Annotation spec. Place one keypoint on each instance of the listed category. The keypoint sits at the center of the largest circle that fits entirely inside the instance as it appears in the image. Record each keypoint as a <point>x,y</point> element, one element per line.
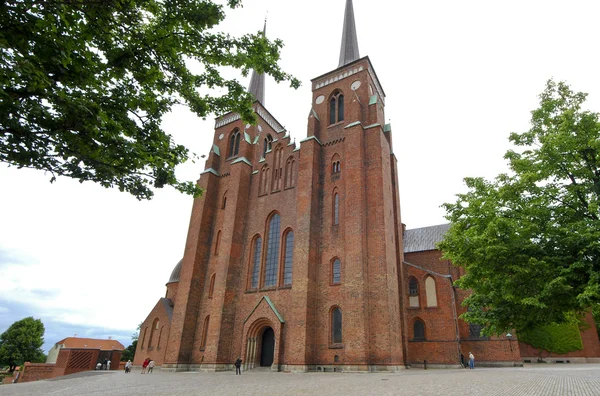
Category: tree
<point>129,352</point>
<point>22,343</point>
<point>84,85</point>
<point>530,240</point>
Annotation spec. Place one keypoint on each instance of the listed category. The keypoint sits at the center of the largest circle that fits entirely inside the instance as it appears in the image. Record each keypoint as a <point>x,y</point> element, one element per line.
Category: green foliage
<point>84,85</point>
<point>554,338</point>
<point>530,240</point>
<point>129,352</point>
<point>22,343</point>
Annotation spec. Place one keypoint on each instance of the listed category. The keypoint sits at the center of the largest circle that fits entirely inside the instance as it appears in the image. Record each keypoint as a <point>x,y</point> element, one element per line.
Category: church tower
<point>292,253</point>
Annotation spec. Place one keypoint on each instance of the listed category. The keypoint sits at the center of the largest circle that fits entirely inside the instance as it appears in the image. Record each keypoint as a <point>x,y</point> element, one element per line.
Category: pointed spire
<point>257,81</point>
<point>349,51</point>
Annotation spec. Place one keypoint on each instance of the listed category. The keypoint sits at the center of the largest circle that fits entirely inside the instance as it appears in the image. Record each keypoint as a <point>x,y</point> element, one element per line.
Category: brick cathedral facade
<point>296,256</point>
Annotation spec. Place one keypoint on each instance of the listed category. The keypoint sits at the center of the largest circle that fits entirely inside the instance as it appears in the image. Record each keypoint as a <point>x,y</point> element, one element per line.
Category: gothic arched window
<point>413,292</point>
<point>273,237</point>
<point>204,333</point>
<point>268,143</point>
<point>430,292</point>
<point>234,143</point>
<point>336,209</point>
<point>336,271</point>
<point>419,330</point>
<point>287,258</point>
<point>336,108</point>
<point>336,326</point>
<point>211,288</point>
<point>256,262</point>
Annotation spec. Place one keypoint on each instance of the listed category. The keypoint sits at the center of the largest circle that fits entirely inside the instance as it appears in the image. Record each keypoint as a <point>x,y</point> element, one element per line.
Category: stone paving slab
<point>531,380</point>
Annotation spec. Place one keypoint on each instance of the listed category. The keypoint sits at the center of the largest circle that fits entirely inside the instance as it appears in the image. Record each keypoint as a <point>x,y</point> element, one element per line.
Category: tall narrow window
<point>289,254</point>
<point>413,292</point>
<point>256,262</point>
<point>336,209</point>
<point>336,271</point>
<point>153,331</point>
<point>289,172</point>
<point>336,326</point>
<point>224,204</point>
<point>268,142</point>
<point>419,330</point>
<point>336,108</point>
<point>159,337</point>
<point>277,168</point>
<point>144,338</point>
<point>217,242</point>
<point>211,288</point>
<point>234,143</point>
<point>430,292</point>
<point>204,333</point>
<point>272,251</point>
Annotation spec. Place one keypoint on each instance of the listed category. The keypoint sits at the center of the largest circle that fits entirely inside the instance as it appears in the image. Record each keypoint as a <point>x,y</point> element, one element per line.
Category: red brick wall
<point>36,371</point>
<point>155,348</point>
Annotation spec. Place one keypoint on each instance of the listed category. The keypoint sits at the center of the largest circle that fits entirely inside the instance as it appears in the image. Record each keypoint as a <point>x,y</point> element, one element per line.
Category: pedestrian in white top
<point>150,366</point>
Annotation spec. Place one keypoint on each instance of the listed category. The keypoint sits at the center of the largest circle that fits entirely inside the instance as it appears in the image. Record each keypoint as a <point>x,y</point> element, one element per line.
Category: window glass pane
<point>413,287</point>
<point>419,330</point>
<point>337,271</point>
<point>289,253</point>
<point>340,108</point>
<point>237,144</point>
<point>336,336</point>
<point>272,252</point>
<point>256,262</point>
<point>332,111</point>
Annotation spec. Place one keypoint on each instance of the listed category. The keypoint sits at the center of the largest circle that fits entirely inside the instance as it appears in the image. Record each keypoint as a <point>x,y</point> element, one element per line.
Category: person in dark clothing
<point>462,361</point>
<point>104,364</point>
<point>238,366</point>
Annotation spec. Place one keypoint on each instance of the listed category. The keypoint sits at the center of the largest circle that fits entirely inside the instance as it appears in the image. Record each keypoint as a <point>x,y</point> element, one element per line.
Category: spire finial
<point>257,81</point>
<point>349,51</point>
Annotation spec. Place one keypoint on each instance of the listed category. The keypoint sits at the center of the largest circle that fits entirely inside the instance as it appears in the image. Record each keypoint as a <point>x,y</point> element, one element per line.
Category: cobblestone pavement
<point>531,380</point>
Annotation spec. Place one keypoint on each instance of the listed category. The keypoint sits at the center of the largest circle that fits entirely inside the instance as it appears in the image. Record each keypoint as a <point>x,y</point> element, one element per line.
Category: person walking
<point>150,366</point>
<point>471,360</point>
<point>145,365</point>
<point>128,367</point>
<point>238,366</point>
<point>104,363</point>
<point>108,364</point>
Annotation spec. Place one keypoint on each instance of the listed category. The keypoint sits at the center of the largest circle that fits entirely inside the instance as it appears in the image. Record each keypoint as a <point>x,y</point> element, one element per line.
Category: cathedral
<point>296,256</point>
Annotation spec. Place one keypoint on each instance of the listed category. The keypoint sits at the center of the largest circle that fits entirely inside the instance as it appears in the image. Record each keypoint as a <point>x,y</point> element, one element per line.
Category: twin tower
<point>293,254</point>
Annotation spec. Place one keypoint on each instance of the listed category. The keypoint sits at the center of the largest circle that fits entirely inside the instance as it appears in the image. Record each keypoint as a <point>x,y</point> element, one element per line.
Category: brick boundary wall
<point>36,371</point>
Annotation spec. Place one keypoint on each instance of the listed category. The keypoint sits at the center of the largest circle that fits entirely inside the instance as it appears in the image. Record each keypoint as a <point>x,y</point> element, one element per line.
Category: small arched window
<point>336,209</point>
<point>288,258</point>
<point>144,337</point>
<point>204,333</point>
<point>224,203</point>
<point>256,262</point>
<point>264,180</point>
<point>413,292</point>
<point>419,330</point>
<point>289,172</point>
<point>217,243</point>
<point>267,145</point>
<point>278,168</point>
<point>336,272</point>
<point>336,326</point>
<point>211,288</point>
<point>336,108</point>
<point>272,251</point>
<point>430,292</point>
<point>234,143</point>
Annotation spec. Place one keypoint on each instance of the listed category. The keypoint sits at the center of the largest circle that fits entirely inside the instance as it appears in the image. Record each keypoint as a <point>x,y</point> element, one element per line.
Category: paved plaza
<point>531,380</point>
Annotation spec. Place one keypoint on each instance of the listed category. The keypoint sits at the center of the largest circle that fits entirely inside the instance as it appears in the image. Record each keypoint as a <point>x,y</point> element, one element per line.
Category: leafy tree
<point>22,343</point>
<point>84,85</point>
<point>530,240</point>
<point>129,352</point>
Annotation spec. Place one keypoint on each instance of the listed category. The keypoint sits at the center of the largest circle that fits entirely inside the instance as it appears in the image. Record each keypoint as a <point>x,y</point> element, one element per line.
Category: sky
<point>459,77</point>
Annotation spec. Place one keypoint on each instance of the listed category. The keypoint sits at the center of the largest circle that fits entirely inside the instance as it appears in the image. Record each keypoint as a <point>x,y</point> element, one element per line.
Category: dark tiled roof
<point>176,271</point>
<point>421,239</point>
<point>168,304</point>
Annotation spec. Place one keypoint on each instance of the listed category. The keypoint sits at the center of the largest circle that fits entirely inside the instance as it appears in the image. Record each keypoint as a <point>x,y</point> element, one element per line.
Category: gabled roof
<point>91,343</point>
<point>168,304</point>
<point>425,238</point>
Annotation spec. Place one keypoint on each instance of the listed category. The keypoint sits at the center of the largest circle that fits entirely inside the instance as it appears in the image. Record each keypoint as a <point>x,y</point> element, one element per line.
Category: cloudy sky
<point>459,76</point>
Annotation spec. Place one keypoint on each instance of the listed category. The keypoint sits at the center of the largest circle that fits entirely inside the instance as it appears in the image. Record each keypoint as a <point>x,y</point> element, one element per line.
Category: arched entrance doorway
<point>268,348</point>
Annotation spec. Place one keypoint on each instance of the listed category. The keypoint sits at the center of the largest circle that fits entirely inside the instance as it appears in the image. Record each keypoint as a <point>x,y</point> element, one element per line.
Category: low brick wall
<point>36,371</point>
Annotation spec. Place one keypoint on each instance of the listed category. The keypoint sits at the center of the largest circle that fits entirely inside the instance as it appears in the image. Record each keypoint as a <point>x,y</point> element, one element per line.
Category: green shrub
<point>554,338</point>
